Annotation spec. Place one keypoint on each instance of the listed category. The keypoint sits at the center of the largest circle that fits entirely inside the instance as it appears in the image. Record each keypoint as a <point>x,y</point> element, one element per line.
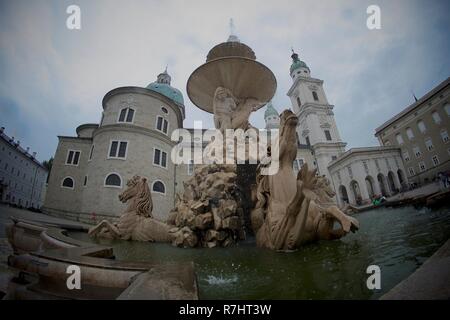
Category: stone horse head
<point>139,193</point>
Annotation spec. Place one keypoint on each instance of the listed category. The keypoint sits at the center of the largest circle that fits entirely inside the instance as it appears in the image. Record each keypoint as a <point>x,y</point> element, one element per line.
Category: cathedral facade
<point>91,169</point>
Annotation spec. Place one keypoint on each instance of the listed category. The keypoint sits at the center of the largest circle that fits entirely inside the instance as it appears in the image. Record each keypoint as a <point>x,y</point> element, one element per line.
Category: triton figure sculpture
<point>291,211</point>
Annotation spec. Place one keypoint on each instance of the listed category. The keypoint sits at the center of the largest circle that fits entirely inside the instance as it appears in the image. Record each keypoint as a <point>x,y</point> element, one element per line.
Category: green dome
<point>297,63</point>
<point>167,90</point>
<point>270,111</point>
<point>162,86</point>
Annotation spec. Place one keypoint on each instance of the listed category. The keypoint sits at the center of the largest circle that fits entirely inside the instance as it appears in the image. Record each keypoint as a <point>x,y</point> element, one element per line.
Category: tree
<point>48,165</point>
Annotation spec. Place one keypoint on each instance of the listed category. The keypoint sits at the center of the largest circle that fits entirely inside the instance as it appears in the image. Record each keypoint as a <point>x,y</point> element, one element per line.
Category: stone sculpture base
<point>209,213</point>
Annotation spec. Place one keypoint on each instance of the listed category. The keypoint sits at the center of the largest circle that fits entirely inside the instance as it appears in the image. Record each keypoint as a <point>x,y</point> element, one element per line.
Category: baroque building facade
<point>22,176</point>
<point>91,169</point>
<point>422,131</point>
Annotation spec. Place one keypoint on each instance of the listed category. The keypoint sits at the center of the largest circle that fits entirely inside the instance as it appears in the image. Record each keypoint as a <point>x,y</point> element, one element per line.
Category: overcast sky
<point>53,79</point>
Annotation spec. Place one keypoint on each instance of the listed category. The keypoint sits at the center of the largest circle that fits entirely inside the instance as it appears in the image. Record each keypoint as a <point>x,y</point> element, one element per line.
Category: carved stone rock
<point>208,208</point>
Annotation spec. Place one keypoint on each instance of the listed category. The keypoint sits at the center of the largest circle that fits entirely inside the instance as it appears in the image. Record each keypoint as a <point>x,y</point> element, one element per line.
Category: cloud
<point>55,79</point>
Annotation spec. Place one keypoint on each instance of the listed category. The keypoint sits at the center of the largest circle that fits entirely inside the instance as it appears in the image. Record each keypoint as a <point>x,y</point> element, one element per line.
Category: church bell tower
<point>317,126</point>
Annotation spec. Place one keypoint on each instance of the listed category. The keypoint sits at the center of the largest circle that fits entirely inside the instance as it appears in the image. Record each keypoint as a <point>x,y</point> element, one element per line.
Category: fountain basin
<point>399,240</point>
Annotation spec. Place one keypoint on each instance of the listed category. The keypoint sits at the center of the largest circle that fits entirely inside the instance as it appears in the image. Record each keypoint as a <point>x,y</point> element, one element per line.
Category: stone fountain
<point>223,202</point>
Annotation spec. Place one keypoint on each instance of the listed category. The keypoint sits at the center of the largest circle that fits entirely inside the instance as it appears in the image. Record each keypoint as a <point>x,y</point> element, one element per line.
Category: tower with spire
<point>317,126</point>
<point>271,117</point>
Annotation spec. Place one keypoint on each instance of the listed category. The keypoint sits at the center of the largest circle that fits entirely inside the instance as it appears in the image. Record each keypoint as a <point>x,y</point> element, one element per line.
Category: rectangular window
<point>130,115</point>
<point>160,158</point>
<point>429,144</point>
<point>73,157</point>
<point>156,157</point>
<point>163,159</point>
<point>411,172</point>
<point>406,156</point>
<point>159,123</point>
<point>417,152</point>
<point>327,135</point>
<point>422,166</point>
<point>118,149</point>
<point>85,180</point>
<point>444,136</point>
<point>122,149</point>
<point>298,164</point>
<point>316,98</point>
<point>435,160</point>
<point>162,124</point>
<point>113,148</point>
<point>69,157</point>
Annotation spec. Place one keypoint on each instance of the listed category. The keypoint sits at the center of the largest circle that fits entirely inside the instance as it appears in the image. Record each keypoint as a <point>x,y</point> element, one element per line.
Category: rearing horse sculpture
<point>137,222</point>
<point>290,210</point>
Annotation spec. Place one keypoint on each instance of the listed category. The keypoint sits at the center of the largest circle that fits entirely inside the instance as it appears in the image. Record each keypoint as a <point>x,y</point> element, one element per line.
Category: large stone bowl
<point>231,65</point>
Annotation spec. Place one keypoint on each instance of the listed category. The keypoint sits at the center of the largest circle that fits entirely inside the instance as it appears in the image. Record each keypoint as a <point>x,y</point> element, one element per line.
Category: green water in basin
<point>397,240</point>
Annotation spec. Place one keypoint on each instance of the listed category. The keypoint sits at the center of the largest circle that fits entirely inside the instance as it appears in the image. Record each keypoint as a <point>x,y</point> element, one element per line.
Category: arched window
<point>159,187</point>
<point>447,109</point>
<point>436,117</point>
<point>399,138</point>
<point>126,115</point>
<point>68,183</point>
<point>421,126</point>
<point>113,180</point>
<point>315,96</point>
<point>299,103</point>
<point>409,133</point>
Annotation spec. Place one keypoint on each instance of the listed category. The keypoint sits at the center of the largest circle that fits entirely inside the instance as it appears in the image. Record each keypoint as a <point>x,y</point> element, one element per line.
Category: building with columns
<point>357,175</point>
<point>360,174</point>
